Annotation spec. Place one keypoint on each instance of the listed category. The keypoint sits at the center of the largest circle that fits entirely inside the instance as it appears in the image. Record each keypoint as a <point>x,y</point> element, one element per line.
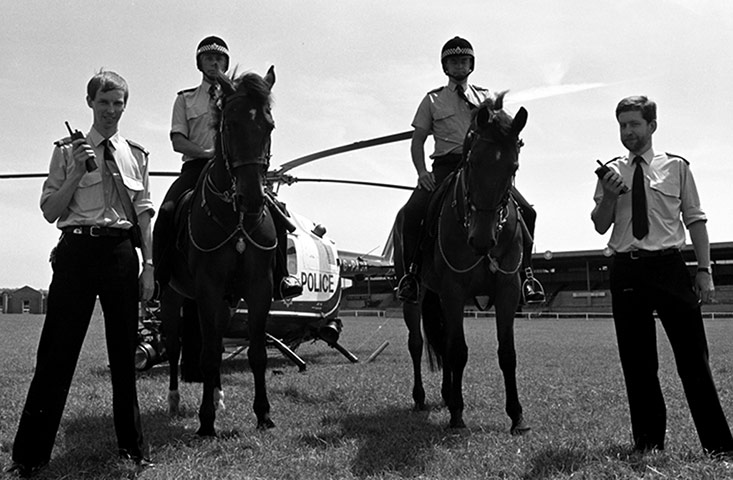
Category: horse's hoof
<point>265,424</point>
<point>174,402</point>
<point>219,400</point>
<point>207,432</point>
<point>519,427</point>
<point>457,424</point>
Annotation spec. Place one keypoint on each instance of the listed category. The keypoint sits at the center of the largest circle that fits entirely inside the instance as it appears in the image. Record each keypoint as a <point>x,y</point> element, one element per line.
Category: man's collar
<point>648,156</point>
<point>97,138</point>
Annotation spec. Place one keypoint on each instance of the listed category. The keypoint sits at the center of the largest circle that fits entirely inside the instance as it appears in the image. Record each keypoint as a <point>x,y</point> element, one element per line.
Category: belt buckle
<point>634,255</point>
<point>93,231</point>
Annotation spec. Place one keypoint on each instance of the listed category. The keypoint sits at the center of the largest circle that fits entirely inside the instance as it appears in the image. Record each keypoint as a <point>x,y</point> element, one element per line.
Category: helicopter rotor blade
<point>397,137</point>
<point>23,175</point>
<point>289,180</point>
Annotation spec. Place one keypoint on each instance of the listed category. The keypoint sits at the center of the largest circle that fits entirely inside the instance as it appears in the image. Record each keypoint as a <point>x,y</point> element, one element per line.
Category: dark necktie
<point>212,94</point>
<point>462,95</point>
<point>640,222</point>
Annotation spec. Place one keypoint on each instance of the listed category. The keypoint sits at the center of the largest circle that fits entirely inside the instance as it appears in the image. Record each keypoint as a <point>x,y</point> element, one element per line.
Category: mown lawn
<point>340,420</point>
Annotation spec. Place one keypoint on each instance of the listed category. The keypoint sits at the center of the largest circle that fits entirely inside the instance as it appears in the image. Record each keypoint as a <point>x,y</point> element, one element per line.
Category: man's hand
<point>81,151</point>
<point>147,283</point>
<point>704,287</point>
<point>613,184</point>
<point>426,180</point>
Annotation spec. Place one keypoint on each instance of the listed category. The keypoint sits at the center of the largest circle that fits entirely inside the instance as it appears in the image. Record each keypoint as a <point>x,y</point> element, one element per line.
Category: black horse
<point>472,247</point>
<point>226,243</point>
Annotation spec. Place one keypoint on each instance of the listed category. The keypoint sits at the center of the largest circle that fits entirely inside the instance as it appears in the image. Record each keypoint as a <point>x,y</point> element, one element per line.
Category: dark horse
<point>226,243</point>
<point>472,248</point>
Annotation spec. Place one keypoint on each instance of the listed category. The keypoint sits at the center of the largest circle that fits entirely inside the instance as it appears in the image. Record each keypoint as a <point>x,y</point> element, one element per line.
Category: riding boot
<point>408,288</point>
<point>162,239</point>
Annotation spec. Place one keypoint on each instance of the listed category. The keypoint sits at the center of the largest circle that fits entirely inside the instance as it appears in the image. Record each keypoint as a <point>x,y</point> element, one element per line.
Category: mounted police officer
<point>192,136</point>
<point>446,113</point>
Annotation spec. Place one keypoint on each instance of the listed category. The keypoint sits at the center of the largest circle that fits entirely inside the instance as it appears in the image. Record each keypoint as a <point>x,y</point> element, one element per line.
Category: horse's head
<point>244,126</point>
<point>492,157</point>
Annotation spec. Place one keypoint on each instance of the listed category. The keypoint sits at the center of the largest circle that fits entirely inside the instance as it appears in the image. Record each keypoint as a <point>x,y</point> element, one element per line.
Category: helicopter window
<point>292,257</point>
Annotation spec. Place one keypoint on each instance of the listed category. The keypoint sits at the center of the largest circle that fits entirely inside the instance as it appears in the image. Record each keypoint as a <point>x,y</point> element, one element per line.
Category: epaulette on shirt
<point>187,90</point>
<point>63,142</point>
<point>480,89</point>
<point>677,156</point>
<point>436,90</point>
<point>138,146</point>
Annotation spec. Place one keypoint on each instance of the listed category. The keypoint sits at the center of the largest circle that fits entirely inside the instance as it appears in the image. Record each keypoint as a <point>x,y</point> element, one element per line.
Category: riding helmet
<point>212,44</point>
<point>457,46</point>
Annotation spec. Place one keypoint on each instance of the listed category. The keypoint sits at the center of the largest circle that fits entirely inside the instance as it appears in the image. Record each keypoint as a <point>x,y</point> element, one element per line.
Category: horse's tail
<point>434,330</point>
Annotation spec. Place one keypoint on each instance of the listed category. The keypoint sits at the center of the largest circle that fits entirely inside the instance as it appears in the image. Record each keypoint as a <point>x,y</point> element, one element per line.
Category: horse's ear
<point>483,116</point>
<point>270,76</point>
<point>226,84</point>
<point>520,120</point>
<point>499,100</point>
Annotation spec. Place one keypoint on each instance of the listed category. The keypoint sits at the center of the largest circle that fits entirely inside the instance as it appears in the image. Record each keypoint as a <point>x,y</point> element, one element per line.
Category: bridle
<point>469,206</point>
<point>228,195</point>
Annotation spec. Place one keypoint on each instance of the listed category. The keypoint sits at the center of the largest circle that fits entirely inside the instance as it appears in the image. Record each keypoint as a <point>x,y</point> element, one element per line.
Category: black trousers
<point>638,288</point>
<point>415,209</point>
<point>85,267</point>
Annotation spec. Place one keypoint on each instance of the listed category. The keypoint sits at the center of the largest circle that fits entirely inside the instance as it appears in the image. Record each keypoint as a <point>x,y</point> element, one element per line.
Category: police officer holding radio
<point>650,197</point>
<point>446,113</point>
<point>97,192</point>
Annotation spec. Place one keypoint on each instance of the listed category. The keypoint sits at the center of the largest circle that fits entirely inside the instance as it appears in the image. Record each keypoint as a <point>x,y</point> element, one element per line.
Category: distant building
<point>24,300</point>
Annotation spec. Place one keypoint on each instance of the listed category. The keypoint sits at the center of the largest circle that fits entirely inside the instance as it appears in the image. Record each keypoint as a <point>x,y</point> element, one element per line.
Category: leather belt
<point>95,231</point>
<point>637,254</point>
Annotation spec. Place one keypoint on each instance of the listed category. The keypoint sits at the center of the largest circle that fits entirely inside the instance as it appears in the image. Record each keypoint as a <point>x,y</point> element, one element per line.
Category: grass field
<point>340,420</point>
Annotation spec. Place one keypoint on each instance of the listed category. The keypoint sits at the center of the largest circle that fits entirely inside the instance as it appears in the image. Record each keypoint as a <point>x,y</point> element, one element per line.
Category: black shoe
<point>289,288</point>
<point>408,289</point>
<point>25,471</point>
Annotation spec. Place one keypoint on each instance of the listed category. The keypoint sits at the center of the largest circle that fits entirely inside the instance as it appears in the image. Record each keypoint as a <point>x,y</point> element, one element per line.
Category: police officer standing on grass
<point>446,113</point>
<point>97,192</point>
<point>650,197</point>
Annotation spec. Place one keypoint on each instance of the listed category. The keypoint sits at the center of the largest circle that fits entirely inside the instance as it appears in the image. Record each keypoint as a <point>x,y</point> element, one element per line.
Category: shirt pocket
<point>666,184</point>
<point>197,110</point>
<point>89,193</point>
<point>443,114</point>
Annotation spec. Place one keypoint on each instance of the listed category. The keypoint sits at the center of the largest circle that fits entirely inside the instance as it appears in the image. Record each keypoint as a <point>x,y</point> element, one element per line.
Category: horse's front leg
<point>411,315</point>
<point>456,357</point>
<point>213,315</point>
<point>506,306</point>
<point>258,305</point>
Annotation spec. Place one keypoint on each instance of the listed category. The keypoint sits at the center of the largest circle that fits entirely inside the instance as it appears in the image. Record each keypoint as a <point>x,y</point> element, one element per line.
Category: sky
<point>353,70</point>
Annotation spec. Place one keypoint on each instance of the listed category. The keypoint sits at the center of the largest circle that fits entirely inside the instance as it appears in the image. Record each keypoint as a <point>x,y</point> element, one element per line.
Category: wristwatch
<point>708,270</point>
<point>148,263</point>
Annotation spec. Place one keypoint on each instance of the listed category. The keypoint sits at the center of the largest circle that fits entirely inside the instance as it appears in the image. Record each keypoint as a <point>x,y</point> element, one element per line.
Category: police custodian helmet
<point>212,44</point>
<point>457,46</point>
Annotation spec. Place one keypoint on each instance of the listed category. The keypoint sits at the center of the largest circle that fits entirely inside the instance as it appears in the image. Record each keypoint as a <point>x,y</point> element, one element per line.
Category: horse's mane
<point>495,103</point>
